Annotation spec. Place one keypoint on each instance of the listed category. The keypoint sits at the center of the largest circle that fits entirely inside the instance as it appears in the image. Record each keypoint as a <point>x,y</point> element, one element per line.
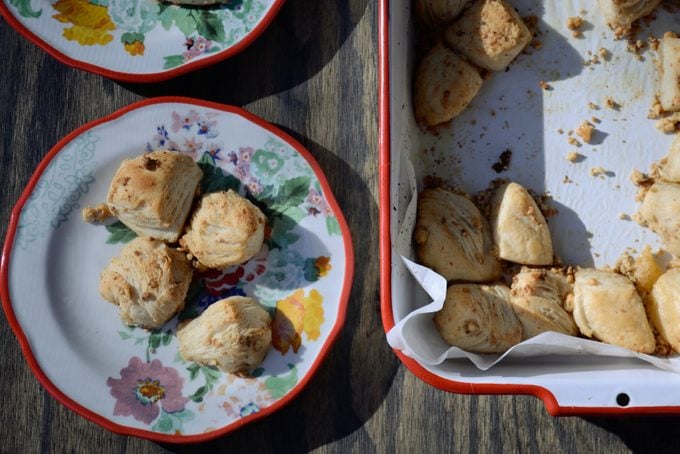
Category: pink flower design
<point>142,386</point>
<point>196,48</point>
<point>183,121</point>
<point>192,146</point>
<point>245,154</point>
<point>318,203</point>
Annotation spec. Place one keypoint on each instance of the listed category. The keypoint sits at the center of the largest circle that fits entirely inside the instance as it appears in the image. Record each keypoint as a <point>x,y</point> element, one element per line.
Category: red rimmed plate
<point>133,381</point>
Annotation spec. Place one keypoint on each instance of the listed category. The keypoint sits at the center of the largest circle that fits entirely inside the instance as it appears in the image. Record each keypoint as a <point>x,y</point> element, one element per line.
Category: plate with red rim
<point>139,40</point>
<point>513,111</point>
<point>134,381</point>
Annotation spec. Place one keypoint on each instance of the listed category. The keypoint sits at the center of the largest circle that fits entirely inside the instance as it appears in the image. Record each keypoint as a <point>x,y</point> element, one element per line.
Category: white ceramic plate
<point>512,112</point>
<point>133,381</point>
<point>139,40</point>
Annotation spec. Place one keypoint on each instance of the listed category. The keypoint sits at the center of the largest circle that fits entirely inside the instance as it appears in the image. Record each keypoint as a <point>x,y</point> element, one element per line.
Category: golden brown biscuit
<point>443,87</point>
<point>433,13</point>
<point>660,211</point>
<point>453,238</point>
<point>232,334</point>
<point>490,34</point>
<point>663,306</point>
<point>148,282</point>
<point>152,193</point>
<point>538,297</point>
<point>519,228</point>
<point>620,14</point>
<point>607,307</point>
<point>669,72</point>
<point>225,229</point>
<point>478,318</point>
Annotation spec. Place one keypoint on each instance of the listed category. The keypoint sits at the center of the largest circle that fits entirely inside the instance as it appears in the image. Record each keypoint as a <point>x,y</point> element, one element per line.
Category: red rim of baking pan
<point>155,436</point>
<point>144,77</point>
<point>460,387</point>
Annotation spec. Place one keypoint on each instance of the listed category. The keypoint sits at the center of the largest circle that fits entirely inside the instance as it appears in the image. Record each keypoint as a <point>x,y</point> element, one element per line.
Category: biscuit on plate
<point>663,307</point>
<point>232,334</point>
<point>225,229</point>
<point>152,193</point>
<point>660,211</point>
<point>148,282</point>
<point>669,72</point>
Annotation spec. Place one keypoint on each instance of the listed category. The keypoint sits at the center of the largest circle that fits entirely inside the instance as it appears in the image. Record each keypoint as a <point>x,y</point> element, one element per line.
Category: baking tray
<point>513,112</point>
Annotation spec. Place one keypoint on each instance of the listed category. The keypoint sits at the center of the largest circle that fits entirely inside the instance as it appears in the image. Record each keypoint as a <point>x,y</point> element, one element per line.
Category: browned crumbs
<point>597,171</point>
<point>593,106</point>
<point>610,103</point>
<point>585,131</point>
<point>655,110</point>
<point>574,156</point>
<point>574,142</point>
<point>574,24</point>
<point>97,213</point>
<point>670,124</point>
<point>544,85</point>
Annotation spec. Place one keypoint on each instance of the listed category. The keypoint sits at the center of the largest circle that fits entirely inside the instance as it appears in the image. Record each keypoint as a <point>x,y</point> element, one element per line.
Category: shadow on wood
<point>643,434</point>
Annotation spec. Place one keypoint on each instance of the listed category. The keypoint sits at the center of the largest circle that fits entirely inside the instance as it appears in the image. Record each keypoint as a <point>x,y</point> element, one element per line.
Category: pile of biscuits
<point>157,195</point>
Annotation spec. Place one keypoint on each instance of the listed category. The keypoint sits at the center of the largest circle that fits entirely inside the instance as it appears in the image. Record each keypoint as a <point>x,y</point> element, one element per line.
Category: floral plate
<point>133,381</point>
<point>139,40</point>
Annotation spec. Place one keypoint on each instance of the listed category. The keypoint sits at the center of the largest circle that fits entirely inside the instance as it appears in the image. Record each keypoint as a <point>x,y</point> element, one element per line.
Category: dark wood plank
<point>313,72</point>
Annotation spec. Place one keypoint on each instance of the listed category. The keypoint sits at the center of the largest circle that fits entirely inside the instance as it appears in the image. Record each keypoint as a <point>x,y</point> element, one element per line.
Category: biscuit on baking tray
<point>538,298</point>
<point>490,34</point>
<point>660,211</point>
<point>607,307</point>
<point>443,87</point>
<point>663,307</point>
<point>669,72</point>
<point>620,14</point>
<point>438,12</point>
<point>225,229</point>
<point>478,318</point>
<point>152,193</point>
<point>519,228</point>
<point>232,334</point>
<point>148,282</point>
<point>670,164</point>
<point>453,238</point>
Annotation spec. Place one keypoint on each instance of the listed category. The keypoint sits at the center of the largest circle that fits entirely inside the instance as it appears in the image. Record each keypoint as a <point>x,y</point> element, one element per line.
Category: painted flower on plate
<point>144,388</point>
<point>91,23</point>
<point>185,121</point>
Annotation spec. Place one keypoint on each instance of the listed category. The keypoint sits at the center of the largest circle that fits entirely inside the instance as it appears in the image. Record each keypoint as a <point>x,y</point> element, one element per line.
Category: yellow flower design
<point>294,315</point>
<point>134,48</point>
<point>91,23</point>
<point>323,264</point>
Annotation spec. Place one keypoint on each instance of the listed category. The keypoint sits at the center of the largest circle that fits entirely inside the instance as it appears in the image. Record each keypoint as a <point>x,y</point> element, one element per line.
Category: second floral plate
<point>133,381</point>
<point>139,40</point>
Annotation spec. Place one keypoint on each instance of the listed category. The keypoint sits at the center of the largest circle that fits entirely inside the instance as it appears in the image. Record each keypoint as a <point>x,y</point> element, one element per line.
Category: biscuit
<point>478,318</point>
<point>152,193</point>
<point>443,87</point>
<point>232,334</point>
<point>607,307</point>
<point>148,282</point>
<point>519,228</point>
<point>225,229</point>
<point>490,34</point>
<point>453,238</point>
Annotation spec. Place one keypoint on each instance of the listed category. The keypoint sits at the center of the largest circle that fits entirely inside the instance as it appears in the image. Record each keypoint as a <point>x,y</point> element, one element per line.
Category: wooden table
<point>313,73</point>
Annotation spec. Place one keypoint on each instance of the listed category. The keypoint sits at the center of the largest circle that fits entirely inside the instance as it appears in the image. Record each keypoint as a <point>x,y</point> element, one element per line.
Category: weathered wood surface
<point>313,73</point>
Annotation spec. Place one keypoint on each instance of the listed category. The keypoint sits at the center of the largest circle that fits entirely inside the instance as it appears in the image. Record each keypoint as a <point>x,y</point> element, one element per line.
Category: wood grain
<point>313,73</point>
